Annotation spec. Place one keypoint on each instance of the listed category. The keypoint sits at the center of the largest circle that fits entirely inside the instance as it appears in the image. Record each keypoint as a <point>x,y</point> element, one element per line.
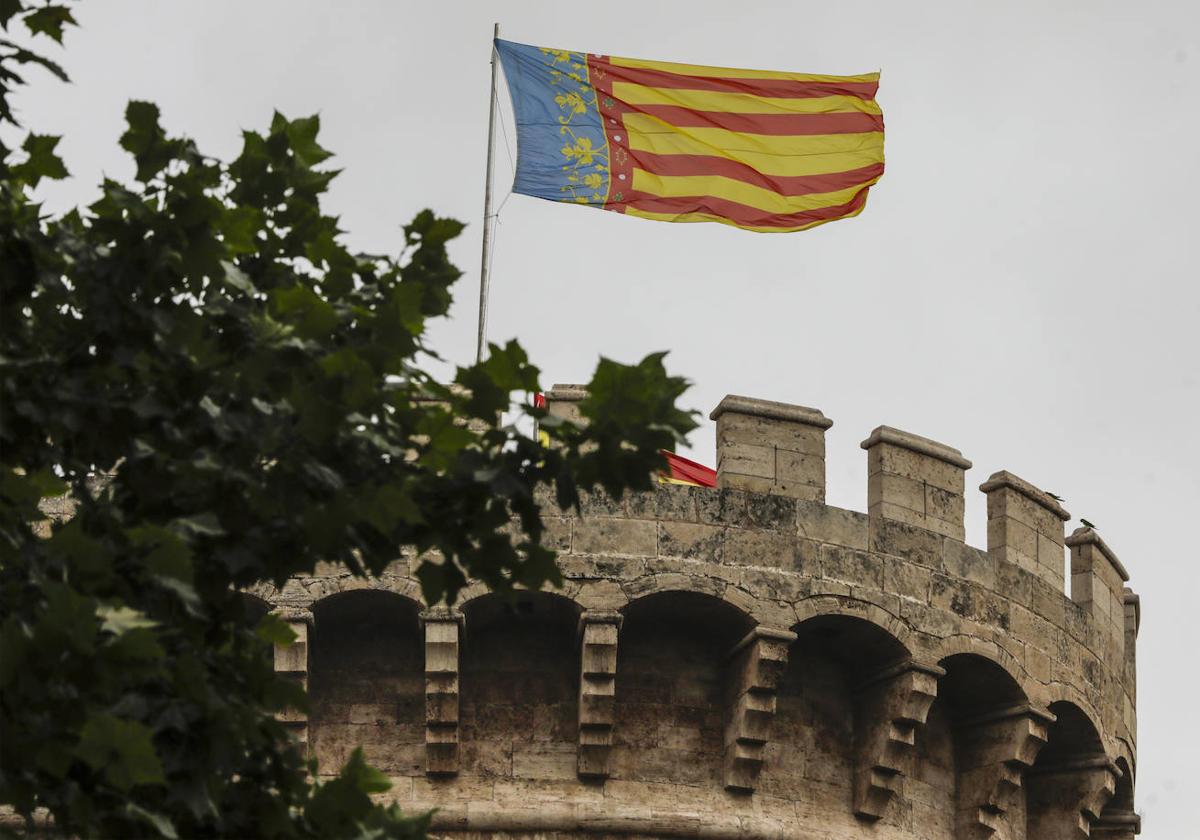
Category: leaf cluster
<point>228,396</point>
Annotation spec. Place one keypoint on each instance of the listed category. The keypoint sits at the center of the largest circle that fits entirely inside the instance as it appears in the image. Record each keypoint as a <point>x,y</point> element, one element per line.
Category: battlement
<point>749,661</point>
<point>779,449</point>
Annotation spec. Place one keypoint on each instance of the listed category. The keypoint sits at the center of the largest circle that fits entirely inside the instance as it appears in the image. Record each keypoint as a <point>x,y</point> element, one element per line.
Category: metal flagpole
<point>487,210</point>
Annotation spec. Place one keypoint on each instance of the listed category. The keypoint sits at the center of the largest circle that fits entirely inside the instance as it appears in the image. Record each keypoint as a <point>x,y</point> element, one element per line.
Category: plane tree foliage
<point>228,395</point>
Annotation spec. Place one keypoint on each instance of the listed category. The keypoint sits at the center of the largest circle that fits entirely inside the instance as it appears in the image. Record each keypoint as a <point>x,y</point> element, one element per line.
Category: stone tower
<point>749,662</point>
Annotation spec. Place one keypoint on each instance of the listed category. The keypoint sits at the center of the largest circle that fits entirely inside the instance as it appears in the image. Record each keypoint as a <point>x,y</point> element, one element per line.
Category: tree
<point>260,399</point>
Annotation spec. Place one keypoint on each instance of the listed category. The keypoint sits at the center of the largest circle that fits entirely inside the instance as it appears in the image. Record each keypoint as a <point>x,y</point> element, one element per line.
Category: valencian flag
<point>756,149</point>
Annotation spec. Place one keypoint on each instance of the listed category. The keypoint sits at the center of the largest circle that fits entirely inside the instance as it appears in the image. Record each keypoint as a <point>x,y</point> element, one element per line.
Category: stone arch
<point>1126,753</point>
<point>671,687</point>
<point>254,606</point>
<point>518,686</point>
<point>366,680</point>
<point>1072,779</point>
<point>324,588</point>
<point>986,734</point>
<point>470,592</point>
<point>1061,692</point>
<point>665,582</point>
<point>1124,793</point>
<point>845,605</point>
<point>1118,820</point>
<point>264,592</point>
<point>977,684</point>
<point>850,677</point>
<point>966,644</point>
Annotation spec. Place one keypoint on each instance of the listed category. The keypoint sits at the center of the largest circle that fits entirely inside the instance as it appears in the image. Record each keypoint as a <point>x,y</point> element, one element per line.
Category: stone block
<point>544,761</point>
<point>691,540</point>
<point>442,630</point>
<point>771,447</point>
<point>563,401</point>
<point>756,667</point>
<point>797,468</point>
<point>637,537</point>
<point>771,512</point>
<point>825,523</point>
<point>752,547</point>
<point>599,635</point>
<point>745,459</point>
<point>1025,526</point>
<point>291,662</point>
<point>722,507</point>
<point>969,563</point>
<point>906,580</point>
<point>899,459</point>
<point>855,567</point>
<point>890,708</point>
<point>944,504</point>
<point>1097,577</point>
<point>557,533</point>
<point>672,502</point>
<point>897,490</point>
<point>915,480</point>
<point>745,423</point>
<point>916,544</point>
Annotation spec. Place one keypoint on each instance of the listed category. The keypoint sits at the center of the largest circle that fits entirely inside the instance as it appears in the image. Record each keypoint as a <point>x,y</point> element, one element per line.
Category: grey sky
<point>1022,284</point>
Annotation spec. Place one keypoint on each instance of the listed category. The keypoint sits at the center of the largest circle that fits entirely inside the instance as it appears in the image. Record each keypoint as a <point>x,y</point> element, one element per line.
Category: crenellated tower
<point>748,661</point>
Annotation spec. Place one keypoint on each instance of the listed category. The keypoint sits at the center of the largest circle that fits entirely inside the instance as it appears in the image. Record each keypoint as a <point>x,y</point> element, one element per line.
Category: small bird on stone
<point>1087,524</point>
<point>1055,496</point>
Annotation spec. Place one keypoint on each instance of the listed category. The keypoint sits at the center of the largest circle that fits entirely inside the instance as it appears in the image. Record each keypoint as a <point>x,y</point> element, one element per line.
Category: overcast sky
<point>1022,284</point>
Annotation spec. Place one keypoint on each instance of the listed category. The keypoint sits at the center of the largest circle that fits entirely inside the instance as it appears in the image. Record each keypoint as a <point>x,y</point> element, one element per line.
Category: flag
<point>680,470</point>
<point>760,150</point>
<point>684,471</point>
<point>543,437</point>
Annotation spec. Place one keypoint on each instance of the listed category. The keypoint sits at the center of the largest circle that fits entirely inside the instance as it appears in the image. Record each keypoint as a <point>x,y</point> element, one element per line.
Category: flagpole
<point>487,209</point>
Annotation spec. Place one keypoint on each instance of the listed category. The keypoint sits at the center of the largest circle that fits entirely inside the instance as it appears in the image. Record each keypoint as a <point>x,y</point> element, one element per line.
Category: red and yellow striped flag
<point>682,470</point>
<point>757,149</point>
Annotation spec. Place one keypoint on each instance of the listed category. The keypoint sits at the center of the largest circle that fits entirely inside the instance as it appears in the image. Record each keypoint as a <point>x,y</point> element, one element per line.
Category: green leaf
<point>146,140</point>
<point>122,749</point>
<point>168,554</point>
<point>274,631</point>
<point>137,644</point>
<point>42,161</point>
<point>301,306</point>
<point>8,10</point>
<point>14,646</point>
<point>238,279</point>
<point>184,591</point>
<point>160,822</point>
<point>120,620</point>
<point>202,524</point>
<point>302,134</point>
<point>339,804</point>
<point>46,484</point>
<point>49,20</point>
<point>242,225</point>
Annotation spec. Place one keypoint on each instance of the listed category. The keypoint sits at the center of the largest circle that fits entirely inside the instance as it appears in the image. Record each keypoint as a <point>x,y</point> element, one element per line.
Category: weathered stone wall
<point>366,685</point>
<point>520,668</point>
<point>747,661</point>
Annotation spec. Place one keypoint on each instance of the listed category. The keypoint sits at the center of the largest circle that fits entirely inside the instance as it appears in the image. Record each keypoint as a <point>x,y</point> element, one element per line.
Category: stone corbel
<point>889,709</point>
<point>1068,797</point>
<point>598,631</point>
<point>993,753</point>
<point>1124,825</point>
<point>442,629</point>
<point>291,663</point>
<point>756,666</point>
